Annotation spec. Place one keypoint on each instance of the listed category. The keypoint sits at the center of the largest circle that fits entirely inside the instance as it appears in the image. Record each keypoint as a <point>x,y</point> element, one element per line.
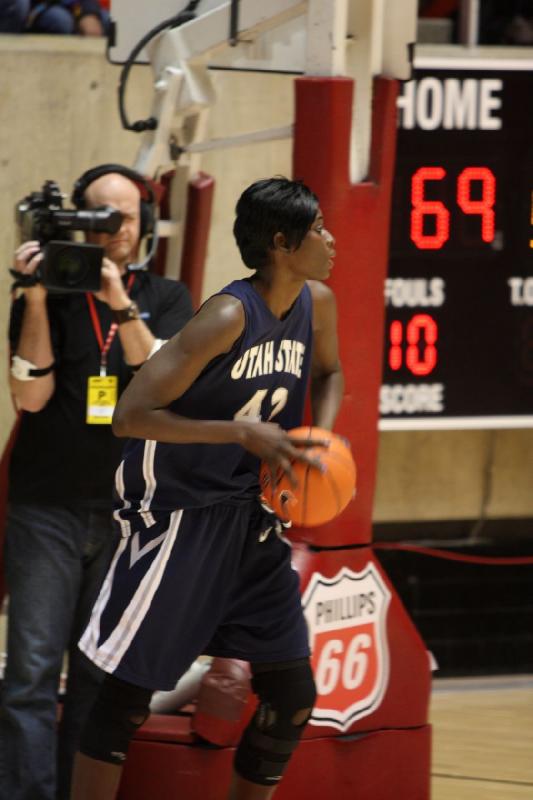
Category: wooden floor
<point>482,739</point>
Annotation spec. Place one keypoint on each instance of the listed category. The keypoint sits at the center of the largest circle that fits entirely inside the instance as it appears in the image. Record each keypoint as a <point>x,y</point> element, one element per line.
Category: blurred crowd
<point>500,21</point>
<point>82,17</point>
<point>508,22</point>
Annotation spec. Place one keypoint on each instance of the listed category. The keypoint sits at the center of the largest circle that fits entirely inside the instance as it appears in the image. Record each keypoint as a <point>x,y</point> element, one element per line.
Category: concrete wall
<point>454,475</point>
<point>59,117</point>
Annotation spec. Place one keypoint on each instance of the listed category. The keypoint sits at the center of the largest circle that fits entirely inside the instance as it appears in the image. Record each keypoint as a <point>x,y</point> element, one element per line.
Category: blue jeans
<point>55,561</point>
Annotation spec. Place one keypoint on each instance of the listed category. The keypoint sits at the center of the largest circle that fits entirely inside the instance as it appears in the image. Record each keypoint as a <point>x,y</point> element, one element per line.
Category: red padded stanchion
<point>199,205</point>
<point>358,217</point>
<point>200,191</point>
<point>371,667</point>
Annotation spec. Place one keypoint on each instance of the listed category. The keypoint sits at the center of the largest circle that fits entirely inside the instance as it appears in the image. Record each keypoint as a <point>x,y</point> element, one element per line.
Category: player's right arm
<point>142,411</point>
<point>34,341</point>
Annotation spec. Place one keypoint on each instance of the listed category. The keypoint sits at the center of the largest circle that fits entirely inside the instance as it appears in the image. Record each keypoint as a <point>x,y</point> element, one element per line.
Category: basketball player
<point>200,567</point>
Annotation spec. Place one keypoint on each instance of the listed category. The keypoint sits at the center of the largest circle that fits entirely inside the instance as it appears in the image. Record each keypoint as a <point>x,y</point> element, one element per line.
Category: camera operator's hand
<point>112,289</point>
<point>136,338</point>
<point>27,258</point>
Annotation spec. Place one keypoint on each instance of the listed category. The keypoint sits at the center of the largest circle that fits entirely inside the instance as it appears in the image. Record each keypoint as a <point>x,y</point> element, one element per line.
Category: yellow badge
<point>102,392</point>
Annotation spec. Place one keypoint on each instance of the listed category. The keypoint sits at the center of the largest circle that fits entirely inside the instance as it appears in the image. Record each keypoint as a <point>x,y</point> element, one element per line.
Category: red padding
<point>199,205</point>
<point>404,688</point>
<point>167,728</point>
<point>383,765</point>
<point>225,703</point>
<point>358,217</point>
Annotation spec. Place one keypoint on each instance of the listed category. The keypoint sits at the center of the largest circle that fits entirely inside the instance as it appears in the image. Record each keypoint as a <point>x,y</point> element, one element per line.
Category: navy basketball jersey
<point>263,377</point>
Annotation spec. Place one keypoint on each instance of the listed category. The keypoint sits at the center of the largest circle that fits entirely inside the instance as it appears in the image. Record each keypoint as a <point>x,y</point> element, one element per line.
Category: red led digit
<point>396,338</point>
<point>485,206</point>
<point>425,326</point>
<point>423,208</point>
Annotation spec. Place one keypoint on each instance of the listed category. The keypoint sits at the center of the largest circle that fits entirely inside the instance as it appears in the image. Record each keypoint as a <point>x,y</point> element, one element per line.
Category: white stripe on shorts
<point>150,482</point>
<point>89,640</point>
<point>108,655</point>
<point>125,528</point>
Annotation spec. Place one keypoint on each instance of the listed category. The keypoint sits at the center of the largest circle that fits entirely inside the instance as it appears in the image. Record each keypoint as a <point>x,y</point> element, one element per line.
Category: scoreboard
<point>458,344</point>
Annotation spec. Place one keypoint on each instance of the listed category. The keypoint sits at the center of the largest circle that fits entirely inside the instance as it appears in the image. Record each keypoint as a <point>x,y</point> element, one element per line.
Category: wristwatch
<point>24,370</point>
<point>127,314</point>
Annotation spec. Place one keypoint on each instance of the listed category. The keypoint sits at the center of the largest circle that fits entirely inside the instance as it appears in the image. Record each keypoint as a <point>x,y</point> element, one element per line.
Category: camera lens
<point>70,267</point>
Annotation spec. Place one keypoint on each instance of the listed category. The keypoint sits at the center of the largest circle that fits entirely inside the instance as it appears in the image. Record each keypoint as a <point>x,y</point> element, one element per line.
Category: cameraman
<point>73,354</point>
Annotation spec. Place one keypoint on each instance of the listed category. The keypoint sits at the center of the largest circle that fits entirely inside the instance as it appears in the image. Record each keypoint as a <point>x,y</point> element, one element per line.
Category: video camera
<point>67,266</point>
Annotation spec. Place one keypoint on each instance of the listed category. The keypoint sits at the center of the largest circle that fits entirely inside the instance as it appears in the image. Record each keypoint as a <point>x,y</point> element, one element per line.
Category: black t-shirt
<point>58,458</point>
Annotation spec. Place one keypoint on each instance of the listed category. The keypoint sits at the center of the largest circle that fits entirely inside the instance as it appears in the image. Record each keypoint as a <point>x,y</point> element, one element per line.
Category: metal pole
<point>268,135</point>
<point>234,23</point>
<point>469,23</point>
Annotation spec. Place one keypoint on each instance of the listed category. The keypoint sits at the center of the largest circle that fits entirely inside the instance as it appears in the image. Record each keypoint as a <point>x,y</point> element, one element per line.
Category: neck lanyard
<point>95,319</point>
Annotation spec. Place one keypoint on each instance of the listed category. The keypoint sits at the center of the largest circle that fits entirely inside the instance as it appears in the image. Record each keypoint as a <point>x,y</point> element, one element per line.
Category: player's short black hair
<point>270,206</point>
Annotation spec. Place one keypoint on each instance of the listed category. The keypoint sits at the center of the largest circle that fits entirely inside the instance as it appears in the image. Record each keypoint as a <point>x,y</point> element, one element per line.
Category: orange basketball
<point>321,493</point>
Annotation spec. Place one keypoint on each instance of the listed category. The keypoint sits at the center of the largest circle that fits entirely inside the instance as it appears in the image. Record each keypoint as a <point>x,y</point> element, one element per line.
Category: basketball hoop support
<point>357,39</point>
<point>183,89</point>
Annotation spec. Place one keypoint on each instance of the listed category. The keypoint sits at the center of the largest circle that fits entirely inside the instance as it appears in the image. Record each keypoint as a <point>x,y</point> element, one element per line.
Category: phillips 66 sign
<point>346,616</point>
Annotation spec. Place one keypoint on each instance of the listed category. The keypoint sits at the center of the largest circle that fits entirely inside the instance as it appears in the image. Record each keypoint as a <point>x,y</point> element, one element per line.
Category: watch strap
<point>127,314</point>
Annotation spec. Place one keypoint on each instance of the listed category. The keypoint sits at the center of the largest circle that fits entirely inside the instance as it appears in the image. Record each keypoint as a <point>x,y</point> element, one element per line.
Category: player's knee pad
<point>119,710</point>
<point>287,694</point>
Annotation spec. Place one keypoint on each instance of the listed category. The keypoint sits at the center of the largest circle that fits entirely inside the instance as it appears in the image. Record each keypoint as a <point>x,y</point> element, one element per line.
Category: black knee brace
<point>119,710</point>
<point>286,697</point>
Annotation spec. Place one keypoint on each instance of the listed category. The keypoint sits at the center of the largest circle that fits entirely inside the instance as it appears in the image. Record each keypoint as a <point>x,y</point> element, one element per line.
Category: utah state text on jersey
<point>261,360</point>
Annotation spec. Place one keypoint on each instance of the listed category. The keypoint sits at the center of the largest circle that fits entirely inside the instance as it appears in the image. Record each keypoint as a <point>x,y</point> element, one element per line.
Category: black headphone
<point>148,209</point>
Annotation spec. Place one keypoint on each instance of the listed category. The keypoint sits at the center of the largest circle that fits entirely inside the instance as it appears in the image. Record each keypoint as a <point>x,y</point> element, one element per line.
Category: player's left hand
<point>112,289</point>
<point>273,445</point>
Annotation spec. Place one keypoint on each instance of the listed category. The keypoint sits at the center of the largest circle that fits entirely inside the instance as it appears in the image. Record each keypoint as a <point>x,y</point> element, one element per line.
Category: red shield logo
<point>347,617</point>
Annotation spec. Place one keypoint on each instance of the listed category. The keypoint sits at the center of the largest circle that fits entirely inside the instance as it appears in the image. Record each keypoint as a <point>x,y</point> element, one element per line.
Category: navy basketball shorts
<point>197,581</point>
